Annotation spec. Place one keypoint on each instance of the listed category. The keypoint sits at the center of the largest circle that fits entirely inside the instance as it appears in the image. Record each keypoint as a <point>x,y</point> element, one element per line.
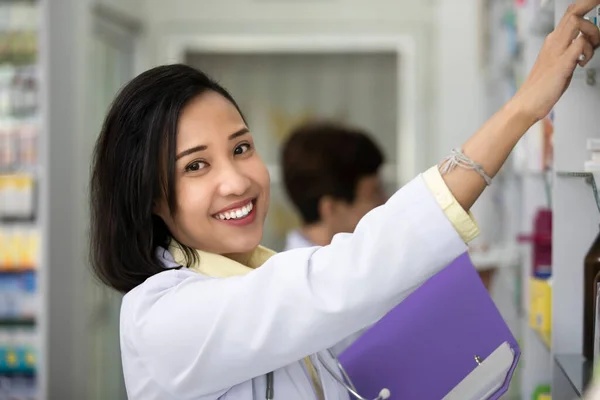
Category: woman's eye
<point>241,149</point>
<point>195,166</point>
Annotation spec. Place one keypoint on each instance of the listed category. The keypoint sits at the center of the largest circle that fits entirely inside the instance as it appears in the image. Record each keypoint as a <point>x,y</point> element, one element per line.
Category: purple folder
<point>429,343</point>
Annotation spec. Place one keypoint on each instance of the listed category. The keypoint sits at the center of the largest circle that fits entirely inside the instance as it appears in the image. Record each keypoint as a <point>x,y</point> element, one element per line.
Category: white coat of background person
<point>179,198</point>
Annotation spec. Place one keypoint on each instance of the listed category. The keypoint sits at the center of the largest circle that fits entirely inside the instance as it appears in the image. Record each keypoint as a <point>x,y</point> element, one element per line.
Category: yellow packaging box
<point>540,307</point>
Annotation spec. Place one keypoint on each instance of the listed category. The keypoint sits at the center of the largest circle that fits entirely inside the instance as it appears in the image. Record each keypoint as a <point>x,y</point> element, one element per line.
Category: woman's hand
<point>548,80</point>
<point>561,53</point>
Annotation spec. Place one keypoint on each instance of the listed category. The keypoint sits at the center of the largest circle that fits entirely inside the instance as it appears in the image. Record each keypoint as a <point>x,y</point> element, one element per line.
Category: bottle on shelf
<point>596,316</point>
<point>591,275</point>
<point>541,238</point>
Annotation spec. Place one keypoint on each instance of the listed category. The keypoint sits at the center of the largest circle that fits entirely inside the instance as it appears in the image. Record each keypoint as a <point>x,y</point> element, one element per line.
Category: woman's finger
<point>582,7</point>
<point>568,27</point>
<point>590,30</point>
<point>573,27</point>
<point>587,53</point>
<point>572,55</point>
<point>593,33</point>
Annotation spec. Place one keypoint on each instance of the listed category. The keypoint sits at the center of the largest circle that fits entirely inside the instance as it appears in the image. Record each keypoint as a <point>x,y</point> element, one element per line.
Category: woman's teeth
<point>238,213</point>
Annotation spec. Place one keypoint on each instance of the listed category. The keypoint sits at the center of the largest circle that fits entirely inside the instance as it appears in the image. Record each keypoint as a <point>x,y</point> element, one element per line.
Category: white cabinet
<point>576,223</point>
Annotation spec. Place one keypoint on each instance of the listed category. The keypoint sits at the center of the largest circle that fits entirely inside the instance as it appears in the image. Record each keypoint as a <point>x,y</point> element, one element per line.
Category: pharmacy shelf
<point>544,338</point>
<point>536,361</point>
<point>18,322</point>
<point>17,270</point>
<point>574,174</point>
<point>534,368</point>
<point>591,178</point>
<point>18,221</point>
<point>34,171</point>
<point>23,134</point>
<point>576,370</point>
<point>577,174</point>
<point>16,374</point>
<point>556,359</point>
<point>544,23</point>
<point>501,255</point>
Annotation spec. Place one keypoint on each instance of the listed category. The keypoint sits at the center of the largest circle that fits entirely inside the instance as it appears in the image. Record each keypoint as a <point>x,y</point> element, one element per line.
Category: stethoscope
<point>345,381</point>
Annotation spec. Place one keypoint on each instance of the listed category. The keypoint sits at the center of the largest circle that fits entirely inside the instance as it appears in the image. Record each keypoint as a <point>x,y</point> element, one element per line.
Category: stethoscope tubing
<point>345,381</point>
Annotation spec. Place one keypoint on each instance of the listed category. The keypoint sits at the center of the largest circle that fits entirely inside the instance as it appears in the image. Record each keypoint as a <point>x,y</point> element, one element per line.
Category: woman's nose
<point>233,181</point>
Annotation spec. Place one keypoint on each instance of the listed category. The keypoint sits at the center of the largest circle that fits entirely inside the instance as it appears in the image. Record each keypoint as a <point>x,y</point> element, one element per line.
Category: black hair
<point>133,168</point>
<point>324,158</point>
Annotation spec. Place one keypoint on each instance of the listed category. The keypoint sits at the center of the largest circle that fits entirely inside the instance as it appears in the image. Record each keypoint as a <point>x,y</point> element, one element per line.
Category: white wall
<point>459,88</point>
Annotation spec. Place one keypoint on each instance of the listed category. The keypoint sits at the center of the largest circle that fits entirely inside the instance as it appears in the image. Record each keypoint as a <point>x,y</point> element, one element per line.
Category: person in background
<point>331,174</point>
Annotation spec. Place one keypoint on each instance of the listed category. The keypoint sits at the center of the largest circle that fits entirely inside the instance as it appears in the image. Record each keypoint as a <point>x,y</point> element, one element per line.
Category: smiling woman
<point>179,198</point>
<point>221,184</point>
<point>184,153</point>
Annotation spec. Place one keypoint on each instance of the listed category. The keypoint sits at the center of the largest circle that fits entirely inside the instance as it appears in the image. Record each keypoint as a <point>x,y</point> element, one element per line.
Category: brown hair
<point>324,158</point>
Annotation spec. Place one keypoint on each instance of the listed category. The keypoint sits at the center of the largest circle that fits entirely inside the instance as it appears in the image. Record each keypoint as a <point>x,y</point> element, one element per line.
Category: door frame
<point>121,33</point>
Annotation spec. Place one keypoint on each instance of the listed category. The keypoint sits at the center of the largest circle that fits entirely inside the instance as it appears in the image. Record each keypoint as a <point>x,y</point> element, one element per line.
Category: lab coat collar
<point>215,265</point>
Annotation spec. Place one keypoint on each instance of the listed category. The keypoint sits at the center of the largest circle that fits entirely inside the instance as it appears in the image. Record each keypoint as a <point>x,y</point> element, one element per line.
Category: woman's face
<point>222,185</point>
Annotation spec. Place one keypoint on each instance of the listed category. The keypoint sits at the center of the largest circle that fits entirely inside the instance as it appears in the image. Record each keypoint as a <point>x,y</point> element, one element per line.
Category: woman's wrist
<point>518,116</point>
<point>489,148</point>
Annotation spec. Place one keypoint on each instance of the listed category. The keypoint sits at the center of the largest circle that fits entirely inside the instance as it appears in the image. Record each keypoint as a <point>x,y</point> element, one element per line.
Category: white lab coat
<point>295,240</point>
<point>189,336</point>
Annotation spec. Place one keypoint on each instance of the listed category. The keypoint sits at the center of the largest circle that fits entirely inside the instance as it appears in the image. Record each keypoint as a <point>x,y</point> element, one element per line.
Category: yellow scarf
<point>218,266</point>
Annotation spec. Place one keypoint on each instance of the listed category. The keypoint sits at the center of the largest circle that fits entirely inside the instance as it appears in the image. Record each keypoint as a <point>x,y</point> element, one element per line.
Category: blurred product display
<point>20,228</point>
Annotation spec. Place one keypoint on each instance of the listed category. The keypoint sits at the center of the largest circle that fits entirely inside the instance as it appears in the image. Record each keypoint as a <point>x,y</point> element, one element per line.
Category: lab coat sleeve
<point>200,336</point>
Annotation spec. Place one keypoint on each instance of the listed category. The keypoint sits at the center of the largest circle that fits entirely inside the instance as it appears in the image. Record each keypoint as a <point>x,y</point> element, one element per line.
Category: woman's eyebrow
<point>190,151</point>
<point>195,149</point>
<point>239,133</point>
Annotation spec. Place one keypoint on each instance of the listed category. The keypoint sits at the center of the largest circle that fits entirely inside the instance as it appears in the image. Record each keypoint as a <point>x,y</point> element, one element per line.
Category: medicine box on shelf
<point>540,308</point>
<point>17,197</point>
